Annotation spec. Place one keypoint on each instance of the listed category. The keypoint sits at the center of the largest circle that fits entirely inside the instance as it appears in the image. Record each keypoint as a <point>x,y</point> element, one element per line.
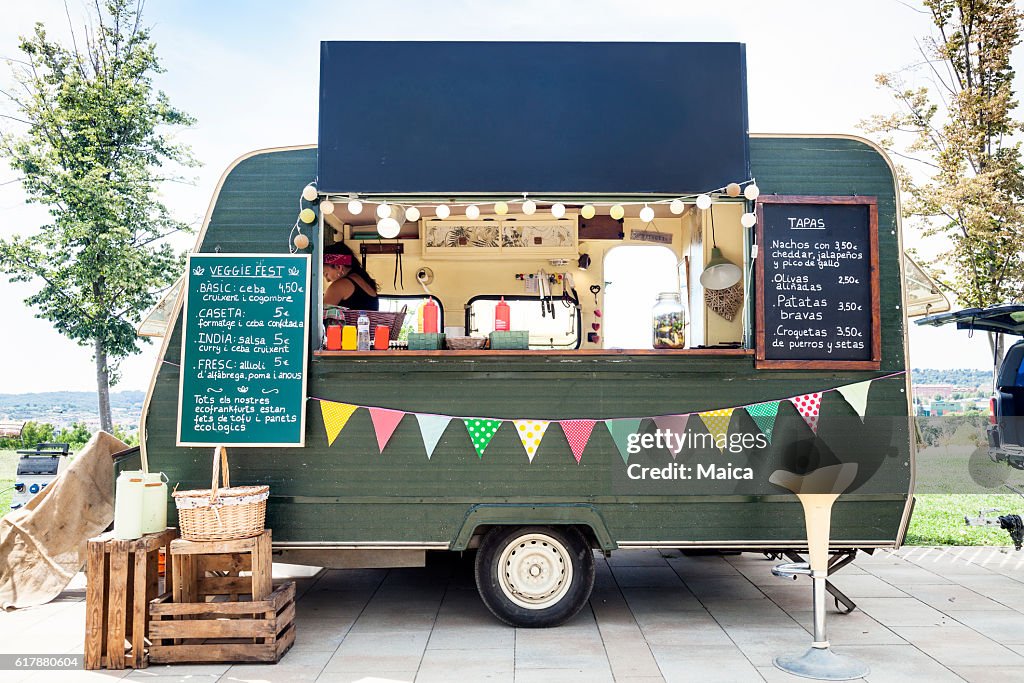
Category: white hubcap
<point>535,571</point>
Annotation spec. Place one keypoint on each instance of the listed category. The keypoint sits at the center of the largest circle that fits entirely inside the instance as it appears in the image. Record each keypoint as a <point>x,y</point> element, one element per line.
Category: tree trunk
<point>103,387</point>
<point>997,344</point>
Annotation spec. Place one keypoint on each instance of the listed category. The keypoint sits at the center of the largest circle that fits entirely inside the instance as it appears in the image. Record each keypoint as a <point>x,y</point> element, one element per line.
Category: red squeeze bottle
<point>430,317</point>
<point>334,337</point>
<point>381,337</point>
<point>502,316</point>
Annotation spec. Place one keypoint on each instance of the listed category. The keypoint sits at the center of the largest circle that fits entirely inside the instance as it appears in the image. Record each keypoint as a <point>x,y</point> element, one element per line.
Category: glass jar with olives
<point>669,320</point>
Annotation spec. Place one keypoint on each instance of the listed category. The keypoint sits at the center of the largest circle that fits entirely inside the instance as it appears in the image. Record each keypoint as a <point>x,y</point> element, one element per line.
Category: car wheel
<point>534,576</point>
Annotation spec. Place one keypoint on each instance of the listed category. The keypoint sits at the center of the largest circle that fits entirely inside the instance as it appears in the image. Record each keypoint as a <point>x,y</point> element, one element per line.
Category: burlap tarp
<point>42,545</point>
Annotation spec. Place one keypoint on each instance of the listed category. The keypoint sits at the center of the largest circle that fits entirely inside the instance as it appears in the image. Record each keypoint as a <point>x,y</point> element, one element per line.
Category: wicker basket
<point>350,316</point>
<point>221,514</point>
<point>465,343</point>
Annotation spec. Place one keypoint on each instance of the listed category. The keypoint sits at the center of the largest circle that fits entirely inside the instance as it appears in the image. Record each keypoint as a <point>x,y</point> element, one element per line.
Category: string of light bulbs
<point>391,214</point>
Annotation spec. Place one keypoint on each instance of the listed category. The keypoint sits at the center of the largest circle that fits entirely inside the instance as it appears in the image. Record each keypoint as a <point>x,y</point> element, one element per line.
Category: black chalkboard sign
<point>243,353</point>
<point>817,282</point>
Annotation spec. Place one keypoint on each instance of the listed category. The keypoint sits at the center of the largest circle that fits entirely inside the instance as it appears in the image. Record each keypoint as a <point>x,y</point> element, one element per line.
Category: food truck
<point>692,308</point>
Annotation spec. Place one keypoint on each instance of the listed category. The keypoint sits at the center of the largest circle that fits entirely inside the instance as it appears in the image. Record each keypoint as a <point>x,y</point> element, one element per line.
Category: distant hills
<point>960,377</point>
<point>65,408</point>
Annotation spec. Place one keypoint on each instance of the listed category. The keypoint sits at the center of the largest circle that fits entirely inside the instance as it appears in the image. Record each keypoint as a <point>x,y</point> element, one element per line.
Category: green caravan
<point>595,423</point>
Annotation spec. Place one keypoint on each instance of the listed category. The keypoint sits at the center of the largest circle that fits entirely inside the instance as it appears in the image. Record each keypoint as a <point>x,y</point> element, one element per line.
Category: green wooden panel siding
<point>349,492</point>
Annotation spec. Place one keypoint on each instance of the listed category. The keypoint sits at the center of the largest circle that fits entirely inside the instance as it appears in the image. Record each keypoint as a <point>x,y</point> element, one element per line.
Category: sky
<point>248,72</point>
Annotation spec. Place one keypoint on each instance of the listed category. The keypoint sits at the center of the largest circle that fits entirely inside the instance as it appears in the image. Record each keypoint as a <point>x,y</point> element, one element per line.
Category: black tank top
<point>360,300</point>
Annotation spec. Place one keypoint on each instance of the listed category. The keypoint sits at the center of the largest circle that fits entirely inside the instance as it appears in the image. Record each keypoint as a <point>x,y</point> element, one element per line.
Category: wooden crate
<point>121,578</point>
<point>231,631</point>
<point>197,562</point>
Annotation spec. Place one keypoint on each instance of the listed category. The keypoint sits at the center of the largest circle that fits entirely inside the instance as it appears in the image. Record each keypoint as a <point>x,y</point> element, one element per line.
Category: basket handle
<point>220,465</point>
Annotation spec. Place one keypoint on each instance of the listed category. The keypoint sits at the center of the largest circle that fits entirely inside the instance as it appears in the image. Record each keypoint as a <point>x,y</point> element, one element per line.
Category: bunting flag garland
<point>808,405</point>
<point>763,415</point>
<point>481,431</point>
<point>676,425</point>
<point>578,434</point>
<point>385,421</point>
<point>336,415</point>
<point>857,396</point>
<point>620,430</point>
<point>717,422</point>
<point>431,429</point>
<point>530,433</point>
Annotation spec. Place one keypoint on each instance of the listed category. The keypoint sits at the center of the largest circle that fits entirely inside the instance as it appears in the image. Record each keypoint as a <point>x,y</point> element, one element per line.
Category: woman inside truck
<point>350,285</point>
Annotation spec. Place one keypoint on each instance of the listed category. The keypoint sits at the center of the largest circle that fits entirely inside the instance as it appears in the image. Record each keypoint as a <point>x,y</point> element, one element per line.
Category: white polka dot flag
<point>578,434</point>
<point>620,430</point>
<point>385,422</point>
<point>808,405</point>
<point>481,431</point>
<point>530,433</point>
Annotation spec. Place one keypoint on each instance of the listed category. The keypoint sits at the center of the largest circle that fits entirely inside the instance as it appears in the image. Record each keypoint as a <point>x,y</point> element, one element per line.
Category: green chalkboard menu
<point>817,283</point>
<point>243,354</point>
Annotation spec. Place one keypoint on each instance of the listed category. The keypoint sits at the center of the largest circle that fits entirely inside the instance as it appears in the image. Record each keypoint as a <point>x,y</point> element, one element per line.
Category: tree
<point>958,132</point>
<point>90,137</point>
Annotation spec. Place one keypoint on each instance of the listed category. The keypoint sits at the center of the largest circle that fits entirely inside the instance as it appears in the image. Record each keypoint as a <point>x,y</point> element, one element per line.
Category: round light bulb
<point>677,206</point>
<point>383,210</point>
<point>703,202</point>
<point>442,211</point>
<point>646,214</point>
<point>588,211</point>
<point>500,208</point>
<point>558,210</point>
<point>617,212</point>
<point>472,212</point>
<point>307,216</point>
<point>733,189</point>
<point>748,220</point>
<point>301,241</point>
<point>309,193</point>
<point>355,207</point>
<point>529,207</point>
<point>412,214</point>
<point>388,228</point>
<point>327,207</point>
<point>751,191</point>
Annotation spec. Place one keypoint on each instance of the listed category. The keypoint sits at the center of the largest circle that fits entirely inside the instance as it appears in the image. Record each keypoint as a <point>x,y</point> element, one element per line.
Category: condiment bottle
<point>363,337</point>
<point>381,337</point>
<point>430,317</point>
<point>128,505</point>
<point>334,337</point>
<point>502,316</point>
<point>348,338</point>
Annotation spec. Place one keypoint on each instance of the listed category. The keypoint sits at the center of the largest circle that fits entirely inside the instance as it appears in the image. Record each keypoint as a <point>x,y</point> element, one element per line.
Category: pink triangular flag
<point>578,434</point>
<point>808,405</point>
<point>675,425</point>
<point>385,422</point>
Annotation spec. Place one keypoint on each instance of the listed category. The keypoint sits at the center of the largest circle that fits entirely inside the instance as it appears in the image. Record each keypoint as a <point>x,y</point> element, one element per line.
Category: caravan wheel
<point>534,576</point>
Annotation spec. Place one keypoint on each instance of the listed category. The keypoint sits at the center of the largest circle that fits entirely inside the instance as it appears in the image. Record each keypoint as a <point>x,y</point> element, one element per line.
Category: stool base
<point>824,665</point>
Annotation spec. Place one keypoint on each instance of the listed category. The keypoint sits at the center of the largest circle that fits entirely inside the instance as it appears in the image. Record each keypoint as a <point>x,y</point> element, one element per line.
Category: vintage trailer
<point>368,488</point>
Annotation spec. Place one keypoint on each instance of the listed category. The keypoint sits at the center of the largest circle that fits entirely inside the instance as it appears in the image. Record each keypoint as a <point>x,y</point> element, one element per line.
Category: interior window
<point>547,331</point>
<point>393,304</point>
<point>634,276</point>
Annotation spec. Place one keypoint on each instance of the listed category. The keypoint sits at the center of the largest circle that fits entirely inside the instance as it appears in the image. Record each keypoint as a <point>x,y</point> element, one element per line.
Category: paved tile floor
<point>943,614</point>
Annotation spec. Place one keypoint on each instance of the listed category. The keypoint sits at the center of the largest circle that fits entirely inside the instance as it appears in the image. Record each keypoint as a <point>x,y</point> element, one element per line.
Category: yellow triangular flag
<point>717,422</point>
<point>336,415</point>
<point>530,433</point>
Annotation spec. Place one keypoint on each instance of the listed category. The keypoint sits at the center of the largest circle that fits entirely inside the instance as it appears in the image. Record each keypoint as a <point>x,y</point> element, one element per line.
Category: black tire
<point>559,557</point>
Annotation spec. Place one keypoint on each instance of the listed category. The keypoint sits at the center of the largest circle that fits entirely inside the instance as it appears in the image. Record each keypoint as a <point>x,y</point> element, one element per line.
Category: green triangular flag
<point>481,431</point>
<point>764,415</point>
<point>857,396</point>
<point>620,430</point>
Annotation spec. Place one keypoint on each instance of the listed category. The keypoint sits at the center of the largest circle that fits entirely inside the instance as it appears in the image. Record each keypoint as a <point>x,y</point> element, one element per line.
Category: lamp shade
<point>720,272</point>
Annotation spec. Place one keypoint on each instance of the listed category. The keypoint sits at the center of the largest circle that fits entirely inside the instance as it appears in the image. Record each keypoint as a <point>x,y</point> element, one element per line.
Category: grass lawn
<point>8,465</point>
<point>939,519</point>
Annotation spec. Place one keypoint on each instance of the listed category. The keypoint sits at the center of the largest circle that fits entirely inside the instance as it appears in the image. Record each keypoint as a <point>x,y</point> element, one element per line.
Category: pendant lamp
<point>720,272</point>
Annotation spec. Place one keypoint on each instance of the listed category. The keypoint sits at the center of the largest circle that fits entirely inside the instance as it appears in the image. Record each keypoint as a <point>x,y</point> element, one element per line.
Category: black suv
<point>1006,433</point>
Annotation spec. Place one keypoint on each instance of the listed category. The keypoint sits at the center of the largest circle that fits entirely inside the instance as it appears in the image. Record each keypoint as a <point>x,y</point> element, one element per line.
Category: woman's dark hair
<point>357,266</point>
